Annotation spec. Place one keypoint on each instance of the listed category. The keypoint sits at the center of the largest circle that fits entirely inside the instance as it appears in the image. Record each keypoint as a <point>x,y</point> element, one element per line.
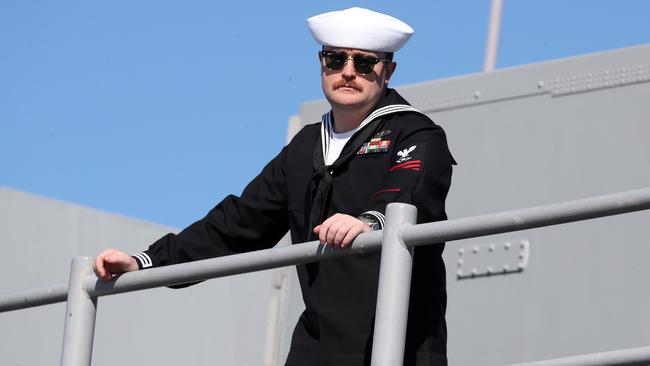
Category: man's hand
<point>340,230</point>
<point>113,262</point>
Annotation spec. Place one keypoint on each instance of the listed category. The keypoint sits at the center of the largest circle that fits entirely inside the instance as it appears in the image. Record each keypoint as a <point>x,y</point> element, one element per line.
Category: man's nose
<point>348,71</point>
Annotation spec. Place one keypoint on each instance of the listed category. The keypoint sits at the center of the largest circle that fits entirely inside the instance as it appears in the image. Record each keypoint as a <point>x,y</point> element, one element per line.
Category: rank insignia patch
<point>404,154</point>
<point>375,145</point>
<point>411,164</point>
<point>409,157</point>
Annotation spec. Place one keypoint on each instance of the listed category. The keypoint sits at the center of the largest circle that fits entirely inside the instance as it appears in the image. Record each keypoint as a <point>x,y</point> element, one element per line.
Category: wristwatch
<point>370,220</point>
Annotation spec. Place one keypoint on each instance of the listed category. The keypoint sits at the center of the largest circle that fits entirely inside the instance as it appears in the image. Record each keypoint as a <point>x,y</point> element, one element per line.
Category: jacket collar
<point>390,103</point>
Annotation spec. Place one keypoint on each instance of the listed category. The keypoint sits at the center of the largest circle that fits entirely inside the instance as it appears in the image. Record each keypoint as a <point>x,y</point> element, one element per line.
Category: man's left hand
<point>340,230</point>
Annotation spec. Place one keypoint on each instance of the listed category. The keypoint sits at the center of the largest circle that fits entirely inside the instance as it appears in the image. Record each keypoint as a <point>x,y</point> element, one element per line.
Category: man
<point>331,183</point>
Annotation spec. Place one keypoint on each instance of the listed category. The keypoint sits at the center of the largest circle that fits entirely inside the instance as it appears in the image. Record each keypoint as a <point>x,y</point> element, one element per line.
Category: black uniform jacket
<point>400,155</point>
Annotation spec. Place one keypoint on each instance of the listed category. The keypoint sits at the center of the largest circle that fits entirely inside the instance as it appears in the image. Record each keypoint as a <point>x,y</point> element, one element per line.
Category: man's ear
<point>390,69</point>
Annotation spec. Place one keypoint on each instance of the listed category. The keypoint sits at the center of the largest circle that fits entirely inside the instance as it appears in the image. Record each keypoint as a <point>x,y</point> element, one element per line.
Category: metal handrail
<point>400,238</point>
<point>625,357</point>
<point>34,297</point>
<point>230,265</point>
<point>528,218</point>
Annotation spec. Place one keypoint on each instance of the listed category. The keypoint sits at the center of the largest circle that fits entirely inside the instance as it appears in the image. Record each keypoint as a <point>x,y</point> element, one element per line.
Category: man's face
<point>347,89</point>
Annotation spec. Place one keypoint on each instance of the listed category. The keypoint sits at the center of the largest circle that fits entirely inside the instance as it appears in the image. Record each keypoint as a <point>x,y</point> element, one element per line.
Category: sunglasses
<point>363,64</point>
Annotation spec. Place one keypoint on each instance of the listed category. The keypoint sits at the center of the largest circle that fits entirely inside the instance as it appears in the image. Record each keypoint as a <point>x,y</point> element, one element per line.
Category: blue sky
<point>158,109</point>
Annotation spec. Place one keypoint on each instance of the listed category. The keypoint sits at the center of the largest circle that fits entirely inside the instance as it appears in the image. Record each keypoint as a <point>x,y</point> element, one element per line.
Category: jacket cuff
<point>373,218</point>
<point>143,260</point>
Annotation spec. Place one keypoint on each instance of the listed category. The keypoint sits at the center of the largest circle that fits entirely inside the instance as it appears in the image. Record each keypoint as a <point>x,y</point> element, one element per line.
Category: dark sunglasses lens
<point>364,64</point>
<point>335,60</point>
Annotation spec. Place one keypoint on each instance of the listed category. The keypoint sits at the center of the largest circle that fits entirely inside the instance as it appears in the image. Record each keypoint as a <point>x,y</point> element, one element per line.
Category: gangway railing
<point>639,356</point>
<point>396,241</point>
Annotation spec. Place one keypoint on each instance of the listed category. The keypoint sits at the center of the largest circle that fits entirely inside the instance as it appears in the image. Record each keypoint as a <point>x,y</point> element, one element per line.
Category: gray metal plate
<point>492,259</point>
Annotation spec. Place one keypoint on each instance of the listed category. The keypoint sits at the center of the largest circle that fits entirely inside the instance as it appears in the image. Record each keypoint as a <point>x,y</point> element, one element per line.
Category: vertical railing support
<point>79,317</point>
<point>394,288</point>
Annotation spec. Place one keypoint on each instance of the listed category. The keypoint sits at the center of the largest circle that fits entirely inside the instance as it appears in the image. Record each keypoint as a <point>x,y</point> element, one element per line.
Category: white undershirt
<point>337,142</point>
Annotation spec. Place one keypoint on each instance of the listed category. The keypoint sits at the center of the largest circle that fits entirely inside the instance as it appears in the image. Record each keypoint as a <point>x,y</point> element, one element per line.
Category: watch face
<point>374,225</point>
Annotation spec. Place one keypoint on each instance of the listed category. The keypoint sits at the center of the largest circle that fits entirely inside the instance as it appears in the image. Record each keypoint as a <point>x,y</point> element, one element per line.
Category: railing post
<point>394,288</point>
<point>79,317</point>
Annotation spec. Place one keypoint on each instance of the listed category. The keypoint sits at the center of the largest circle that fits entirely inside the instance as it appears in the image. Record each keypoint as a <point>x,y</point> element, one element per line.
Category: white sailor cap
<point>360,28</point>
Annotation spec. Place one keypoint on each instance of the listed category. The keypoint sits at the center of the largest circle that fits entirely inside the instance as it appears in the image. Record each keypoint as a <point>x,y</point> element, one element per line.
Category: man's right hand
<point>112,262</point>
